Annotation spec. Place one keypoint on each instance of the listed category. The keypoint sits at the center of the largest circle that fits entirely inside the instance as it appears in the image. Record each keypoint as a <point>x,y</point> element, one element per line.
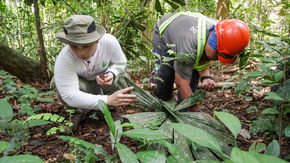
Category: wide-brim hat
<point>80,29</point>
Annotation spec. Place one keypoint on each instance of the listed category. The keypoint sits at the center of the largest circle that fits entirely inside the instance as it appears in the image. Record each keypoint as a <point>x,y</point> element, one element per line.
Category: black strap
<point>205,77</point>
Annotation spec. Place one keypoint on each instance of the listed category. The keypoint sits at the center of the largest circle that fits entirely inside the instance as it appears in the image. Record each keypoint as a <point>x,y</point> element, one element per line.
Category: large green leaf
<point>191,100</point>
<point>125,154</point>
<point>151,120</point>
<point>3,145</point>
<point>6,112</point>
<point>208,123</point>
<point>184,150</point>
<point>278,76</point>
<point>145,134</point>
<point>198,136</point>
<point>231,121</point>
<point>239,156</point>
<point>144,99</point>
<point>273,96</point>
<point>273,148</point>
<point>108,117</point>
<point>151,157</point>
<point>202,153</point>
<point>21,158</point>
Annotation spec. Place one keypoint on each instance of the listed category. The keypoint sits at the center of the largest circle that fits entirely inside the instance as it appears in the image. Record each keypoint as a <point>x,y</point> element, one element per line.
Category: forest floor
<point>95,130</point>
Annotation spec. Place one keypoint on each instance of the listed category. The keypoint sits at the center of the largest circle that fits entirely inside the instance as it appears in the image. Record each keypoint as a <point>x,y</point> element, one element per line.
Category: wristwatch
<point>205,77</point>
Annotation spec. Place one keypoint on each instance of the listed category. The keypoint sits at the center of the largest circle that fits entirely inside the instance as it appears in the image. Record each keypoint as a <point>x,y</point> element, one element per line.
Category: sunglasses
<point>226,55</point>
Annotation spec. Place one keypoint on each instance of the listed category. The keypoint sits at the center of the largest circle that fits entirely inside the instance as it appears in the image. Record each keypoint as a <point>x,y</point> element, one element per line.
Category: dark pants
<point>166,71</point>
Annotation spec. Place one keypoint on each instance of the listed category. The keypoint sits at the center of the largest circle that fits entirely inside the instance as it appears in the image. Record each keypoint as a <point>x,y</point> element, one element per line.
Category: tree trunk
<point>26,69</point>
<point>41,50</point>
<point>223,9</point>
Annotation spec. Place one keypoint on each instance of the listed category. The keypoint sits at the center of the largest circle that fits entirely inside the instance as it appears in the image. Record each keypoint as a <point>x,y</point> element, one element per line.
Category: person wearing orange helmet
<point>185,43</point>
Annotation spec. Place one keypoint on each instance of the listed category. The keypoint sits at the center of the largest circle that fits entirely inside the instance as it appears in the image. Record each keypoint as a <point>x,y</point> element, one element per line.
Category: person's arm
<point>67,84</point>
<point>117,63</point>
<point>118,60</point>
<point>183,86</point>
<point>206,79</point>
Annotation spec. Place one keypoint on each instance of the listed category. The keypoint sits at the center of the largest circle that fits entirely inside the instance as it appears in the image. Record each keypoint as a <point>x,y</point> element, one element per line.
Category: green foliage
<point>239,156</point>
<point>54,118</point>
<point>273,148</point>
<point>14,128</point>
<point>21,158</point>
<point>151,157</point>
<point>125,154</point>
<point>3,145</point>
<point>168,114</point>
<point>26,95</point>
<point>231,121</point>
<point>6,112</point>
<point>257,147</point>
<point>263,124</point>
<point>145,134</point>
<point>84,150</point>
<point>198,136</point>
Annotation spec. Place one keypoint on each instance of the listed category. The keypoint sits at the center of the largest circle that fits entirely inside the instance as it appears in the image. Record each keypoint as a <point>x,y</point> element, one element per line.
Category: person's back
<point>191,40</point>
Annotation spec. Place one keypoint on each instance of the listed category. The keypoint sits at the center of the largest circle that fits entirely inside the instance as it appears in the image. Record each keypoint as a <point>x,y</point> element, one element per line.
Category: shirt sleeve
<point>118,59</point>
<point>184,70</point>
<point>67,84</point>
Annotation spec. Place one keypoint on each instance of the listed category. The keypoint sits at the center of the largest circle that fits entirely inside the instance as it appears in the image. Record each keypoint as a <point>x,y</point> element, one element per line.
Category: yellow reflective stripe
<point>201,34</point>
<point>201,39</point>
<point>202,67</point>
<point>165,24</point>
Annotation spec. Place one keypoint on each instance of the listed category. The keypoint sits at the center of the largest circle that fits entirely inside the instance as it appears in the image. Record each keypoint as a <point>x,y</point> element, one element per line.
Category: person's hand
<point>106,80</point>
<point>121,97</point>
<point>208,84</point>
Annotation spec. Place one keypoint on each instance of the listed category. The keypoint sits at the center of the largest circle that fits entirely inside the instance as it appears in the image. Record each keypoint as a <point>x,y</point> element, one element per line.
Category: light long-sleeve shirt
<point>108,57</point>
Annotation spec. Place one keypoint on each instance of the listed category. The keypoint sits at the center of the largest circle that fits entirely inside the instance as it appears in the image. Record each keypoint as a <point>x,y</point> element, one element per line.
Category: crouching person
<point>88,66</point>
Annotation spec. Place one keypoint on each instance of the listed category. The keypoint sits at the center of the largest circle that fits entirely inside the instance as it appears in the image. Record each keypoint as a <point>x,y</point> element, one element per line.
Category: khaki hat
<point>80,29</point>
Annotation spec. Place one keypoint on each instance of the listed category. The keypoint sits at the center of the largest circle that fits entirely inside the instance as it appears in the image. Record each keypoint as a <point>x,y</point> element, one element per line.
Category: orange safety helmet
<point>233,36</point>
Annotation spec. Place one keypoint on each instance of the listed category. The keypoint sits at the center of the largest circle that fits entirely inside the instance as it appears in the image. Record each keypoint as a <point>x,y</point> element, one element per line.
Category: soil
<point>95,130</point>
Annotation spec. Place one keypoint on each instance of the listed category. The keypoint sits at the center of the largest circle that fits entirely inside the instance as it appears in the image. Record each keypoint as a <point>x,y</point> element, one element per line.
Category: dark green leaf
<point>145,134</point>
<point>257,147</point>
<point>198,136</point>
<point>6,112</point>
<point>239,156</point>
<point>108,116</point>
<point>273,148</point>
<point>270,111</point>
<point>151,157</point>
<point>125,154</point>
<point>3,146</point>
<point>21,158</point>
<point>191,100</point>
<point>147,119</point>
<point>231,121</point>
<point>278,76</point>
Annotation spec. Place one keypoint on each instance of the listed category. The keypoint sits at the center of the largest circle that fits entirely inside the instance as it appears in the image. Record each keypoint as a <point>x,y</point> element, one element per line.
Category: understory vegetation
<point>246,119</point>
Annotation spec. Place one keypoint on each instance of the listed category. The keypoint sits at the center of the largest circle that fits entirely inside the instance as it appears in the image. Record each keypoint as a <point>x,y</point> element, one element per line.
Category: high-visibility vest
<point>201,34</point>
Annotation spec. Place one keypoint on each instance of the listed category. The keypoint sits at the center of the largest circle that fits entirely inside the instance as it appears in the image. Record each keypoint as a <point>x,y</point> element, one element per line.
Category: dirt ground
<point>95,130</point>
